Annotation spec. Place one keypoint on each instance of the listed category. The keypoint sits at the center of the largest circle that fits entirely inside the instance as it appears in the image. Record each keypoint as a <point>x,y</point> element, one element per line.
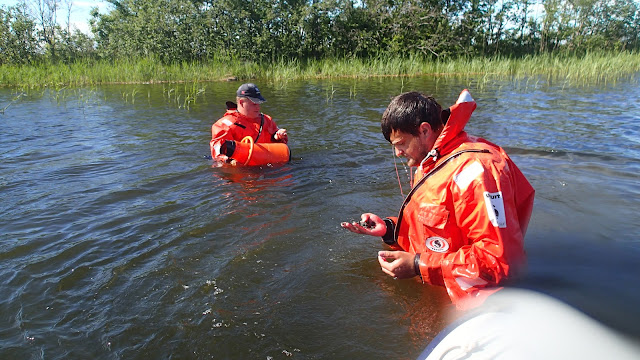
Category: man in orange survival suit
<point>462,226</point>
<point>244,119</point>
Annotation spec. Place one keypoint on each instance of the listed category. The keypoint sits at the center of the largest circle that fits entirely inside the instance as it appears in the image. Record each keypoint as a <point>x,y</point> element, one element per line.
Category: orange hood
<point>453,133</point>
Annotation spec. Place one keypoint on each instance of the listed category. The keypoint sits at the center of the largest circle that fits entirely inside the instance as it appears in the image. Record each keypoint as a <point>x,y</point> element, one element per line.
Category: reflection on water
<point>120,239</point>
<point>255,179</point>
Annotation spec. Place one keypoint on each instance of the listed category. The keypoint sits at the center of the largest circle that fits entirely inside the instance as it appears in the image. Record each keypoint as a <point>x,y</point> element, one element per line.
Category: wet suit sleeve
<point>221,130</point>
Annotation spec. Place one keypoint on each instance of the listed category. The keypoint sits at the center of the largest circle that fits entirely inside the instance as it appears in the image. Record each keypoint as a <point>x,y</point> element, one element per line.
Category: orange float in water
<point>247,152</point>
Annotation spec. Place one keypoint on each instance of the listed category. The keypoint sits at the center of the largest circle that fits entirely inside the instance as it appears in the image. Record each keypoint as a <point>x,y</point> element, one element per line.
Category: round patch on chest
<point>437,244</point>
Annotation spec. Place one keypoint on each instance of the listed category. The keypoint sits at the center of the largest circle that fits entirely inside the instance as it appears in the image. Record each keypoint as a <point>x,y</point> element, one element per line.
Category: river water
<point>120,240</point>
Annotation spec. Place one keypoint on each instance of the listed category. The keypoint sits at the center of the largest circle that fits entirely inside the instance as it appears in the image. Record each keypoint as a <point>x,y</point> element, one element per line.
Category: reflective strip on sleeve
<point>468,174</point>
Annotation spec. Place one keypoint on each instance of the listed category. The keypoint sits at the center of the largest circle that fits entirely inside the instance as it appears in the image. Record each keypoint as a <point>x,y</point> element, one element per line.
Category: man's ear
<point>424,128</point>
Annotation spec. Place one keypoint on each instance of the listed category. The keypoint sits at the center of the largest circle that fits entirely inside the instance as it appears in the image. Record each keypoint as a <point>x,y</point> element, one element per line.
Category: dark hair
<point>408,110</point>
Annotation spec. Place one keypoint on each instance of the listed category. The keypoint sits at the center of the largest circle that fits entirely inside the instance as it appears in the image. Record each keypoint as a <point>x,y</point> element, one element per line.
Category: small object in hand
<point>367,224</point>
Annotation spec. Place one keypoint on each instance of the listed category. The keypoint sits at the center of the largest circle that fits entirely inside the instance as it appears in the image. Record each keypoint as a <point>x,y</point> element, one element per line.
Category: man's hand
<point>374,225</point>
<point>281,136</point>
<point>399,264</point>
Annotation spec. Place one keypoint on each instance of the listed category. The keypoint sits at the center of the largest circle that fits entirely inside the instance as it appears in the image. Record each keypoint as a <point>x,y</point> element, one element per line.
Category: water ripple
<point>120,240</point>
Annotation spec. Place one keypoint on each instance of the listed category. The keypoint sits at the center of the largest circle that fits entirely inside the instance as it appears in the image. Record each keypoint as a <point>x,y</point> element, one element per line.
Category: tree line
<point>275,30</point>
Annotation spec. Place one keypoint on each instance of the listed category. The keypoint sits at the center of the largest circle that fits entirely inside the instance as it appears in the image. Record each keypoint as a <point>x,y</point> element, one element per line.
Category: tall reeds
<point>593,67</point>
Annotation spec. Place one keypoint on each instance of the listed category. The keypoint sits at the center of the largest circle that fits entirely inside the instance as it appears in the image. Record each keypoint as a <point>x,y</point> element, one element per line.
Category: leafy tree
<point>357,31</point>
<point>316,29</point>
<point>149,28</point>
<point>75,45</point>
<point>47,16</point>
<point>18,39</point>
<point>273,30</point>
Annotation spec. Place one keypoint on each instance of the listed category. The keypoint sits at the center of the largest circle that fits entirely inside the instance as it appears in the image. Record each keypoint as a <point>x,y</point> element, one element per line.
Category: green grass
<point>588,69</point>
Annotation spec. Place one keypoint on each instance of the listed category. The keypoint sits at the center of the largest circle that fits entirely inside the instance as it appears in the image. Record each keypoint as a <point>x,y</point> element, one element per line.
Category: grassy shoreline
<point>591,68</point>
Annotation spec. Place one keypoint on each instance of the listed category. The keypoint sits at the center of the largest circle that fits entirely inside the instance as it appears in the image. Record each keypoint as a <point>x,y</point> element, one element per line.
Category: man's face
<point>413,147</point>
<point>248,108</point>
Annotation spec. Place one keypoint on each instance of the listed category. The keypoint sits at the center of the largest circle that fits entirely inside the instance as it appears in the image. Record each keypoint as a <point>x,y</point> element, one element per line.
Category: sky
<point>80,12</point>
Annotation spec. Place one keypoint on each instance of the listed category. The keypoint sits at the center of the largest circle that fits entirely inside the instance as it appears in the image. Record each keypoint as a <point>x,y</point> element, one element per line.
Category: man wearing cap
<point>244,119</point>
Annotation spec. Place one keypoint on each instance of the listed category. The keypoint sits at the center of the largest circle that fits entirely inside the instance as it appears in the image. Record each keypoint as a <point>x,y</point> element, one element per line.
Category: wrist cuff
<point>391,229</point>
<point>416,265</point>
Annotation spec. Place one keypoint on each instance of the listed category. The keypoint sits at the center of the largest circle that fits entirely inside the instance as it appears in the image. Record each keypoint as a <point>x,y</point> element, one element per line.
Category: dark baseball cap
<point>251,92</point>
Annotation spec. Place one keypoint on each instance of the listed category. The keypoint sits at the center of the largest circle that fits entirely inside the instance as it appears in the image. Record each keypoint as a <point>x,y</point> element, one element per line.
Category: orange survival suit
<point>466,214</point>
<point>235,126</point>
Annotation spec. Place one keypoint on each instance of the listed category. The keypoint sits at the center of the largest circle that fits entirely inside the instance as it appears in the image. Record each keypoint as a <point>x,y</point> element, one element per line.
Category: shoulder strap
<point>261,125</point>
<point>424,180</point>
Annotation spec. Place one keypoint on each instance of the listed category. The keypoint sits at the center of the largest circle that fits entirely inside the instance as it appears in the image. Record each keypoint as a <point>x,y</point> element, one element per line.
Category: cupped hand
<point>375,225</point>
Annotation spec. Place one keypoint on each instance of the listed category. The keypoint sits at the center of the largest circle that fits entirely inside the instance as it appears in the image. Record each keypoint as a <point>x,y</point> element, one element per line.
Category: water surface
<point>119,239</point>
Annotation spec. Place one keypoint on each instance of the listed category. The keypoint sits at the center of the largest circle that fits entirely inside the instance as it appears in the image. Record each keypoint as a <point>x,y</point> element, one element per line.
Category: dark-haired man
<point>243,119</point>
<point>462,226</point>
